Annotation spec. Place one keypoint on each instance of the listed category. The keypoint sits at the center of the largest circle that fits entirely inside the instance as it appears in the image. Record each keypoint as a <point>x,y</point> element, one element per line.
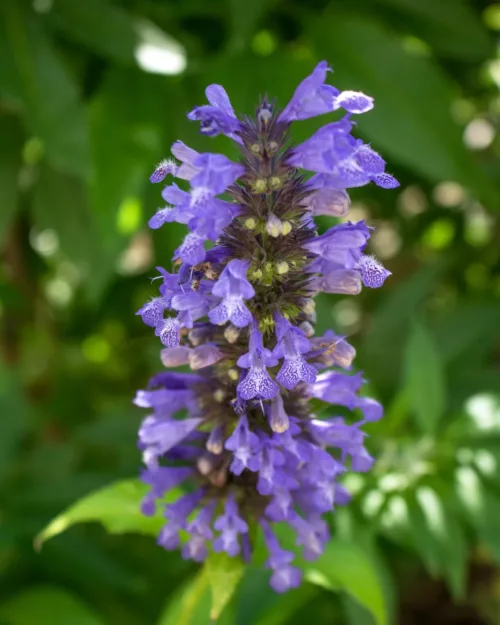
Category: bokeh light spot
<point>129,216</point>
<point>264,43</point>
<point>439,235</point>
<point>96,349</point>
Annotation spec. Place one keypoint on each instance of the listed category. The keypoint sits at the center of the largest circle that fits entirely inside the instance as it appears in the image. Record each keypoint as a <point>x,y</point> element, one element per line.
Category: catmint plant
<point>239,431</point>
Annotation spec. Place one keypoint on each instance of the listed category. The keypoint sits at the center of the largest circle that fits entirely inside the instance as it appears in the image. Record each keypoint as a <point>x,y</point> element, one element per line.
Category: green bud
<point>233,374</point>
<point>259,185</point>
<point>282,267</point>
<point>275,183</point>
<point>231,334</point>
<point>219,395</point>
<point>250,223</point>
<point>286,228</point>
<point>255,148</point>
<point>256,274</point>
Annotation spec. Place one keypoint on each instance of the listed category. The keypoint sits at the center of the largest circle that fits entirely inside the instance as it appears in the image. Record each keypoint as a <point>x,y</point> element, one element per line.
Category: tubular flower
<point>238,432</point>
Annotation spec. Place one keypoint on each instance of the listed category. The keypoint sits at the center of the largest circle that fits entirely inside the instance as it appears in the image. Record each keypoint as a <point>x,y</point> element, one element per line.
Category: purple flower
<point>230,525</point>
<point>312,97</point>
<point>244,444</point>
<point>284,576</point>
<point>187,156</point>
<point>233,288</point>
<point>162,170</point>
<point>372,272</point>
<point>240,435</point>
<point>291,345</point>
<point>257,382</point>
<point>341,245</point>
<point>199,533</point>
<point>218,117</point>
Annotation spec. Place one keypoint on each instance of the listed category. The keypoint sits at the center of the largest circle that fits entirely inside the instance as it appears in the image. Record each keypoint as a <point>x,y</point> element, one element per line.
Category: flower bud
<point>175,356</point>
<point>273,226</point>
<point>259,185</point>
<point>250,223</point>
<point>282,267</point>
<point>307,328</point>
<point>231,334</point>
<point>308,306</point>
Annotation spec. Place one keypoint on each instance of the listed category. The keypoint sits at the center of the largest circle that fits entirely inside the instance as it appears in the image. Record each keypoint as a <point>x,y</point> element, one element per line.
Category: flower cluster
<point>238,432</point>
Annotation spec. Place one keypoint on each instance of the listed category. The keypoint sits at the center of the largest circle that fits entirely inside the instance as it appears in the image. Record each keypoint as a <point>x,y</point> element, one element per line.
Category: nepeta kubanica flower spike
<point>239,433</point>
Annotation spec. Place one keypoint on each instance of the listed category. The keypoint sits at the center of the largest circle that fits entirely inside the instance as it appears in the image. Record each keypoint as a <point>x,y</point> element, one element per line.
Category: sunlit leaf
<point>116,507</point>
<point>191,604</point>
<point>424,379</point>
<point>345,566</point>
<point>224,574</point>
<point>47,605</point>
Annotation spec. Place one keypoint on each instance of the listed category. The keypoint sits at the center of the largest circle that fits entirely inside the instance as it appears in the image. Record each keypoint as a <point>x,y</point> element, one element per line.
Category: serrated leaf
<point>411,122</point>
<point>116,507</point>
<point>47,605</point>
<point>346,566</point>
<point>51,104</point>
<point>424,378</point>
<point>224,574</point>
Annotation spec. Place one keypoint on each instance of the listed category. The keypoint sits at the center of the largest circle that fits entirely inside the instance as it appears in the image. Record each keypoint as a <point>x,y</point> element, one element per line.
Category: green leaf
<point>224,574</point>
<point>391,323</point>
<point>451,27</point>
<point>47,605</point>
<point>482,508</point>
<point>285,606</point>
<point>465,329</point>
<point>10,162</point>
<point>60,202</point>
<point>116,507</point>
<point>14,417</point>
<point>424,378</point>
<point>423,540</point>
<point>51,103</point>
<point>411,122</point>
<point>102,27</point>
<point>190,604</point>
<point>245,17</point>
<point>447,538</point>
<point>345,566</point>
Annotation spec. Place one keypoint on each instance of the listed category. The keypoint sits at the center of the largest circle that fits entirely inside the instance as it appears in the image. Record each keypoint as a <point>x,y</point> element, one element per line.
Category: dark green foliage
<point>81,128</point>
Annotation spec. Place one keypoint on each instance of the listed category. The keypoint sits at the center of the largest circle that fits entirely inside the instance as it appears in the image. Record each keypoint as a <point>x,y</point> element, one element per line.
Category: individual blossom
<point>239,437</point>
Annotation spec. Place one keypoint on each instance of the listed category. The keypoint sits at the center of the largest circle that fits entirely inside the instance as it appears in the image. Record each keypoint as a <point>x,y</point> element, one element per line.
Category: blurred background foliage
<point>92,94</point>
